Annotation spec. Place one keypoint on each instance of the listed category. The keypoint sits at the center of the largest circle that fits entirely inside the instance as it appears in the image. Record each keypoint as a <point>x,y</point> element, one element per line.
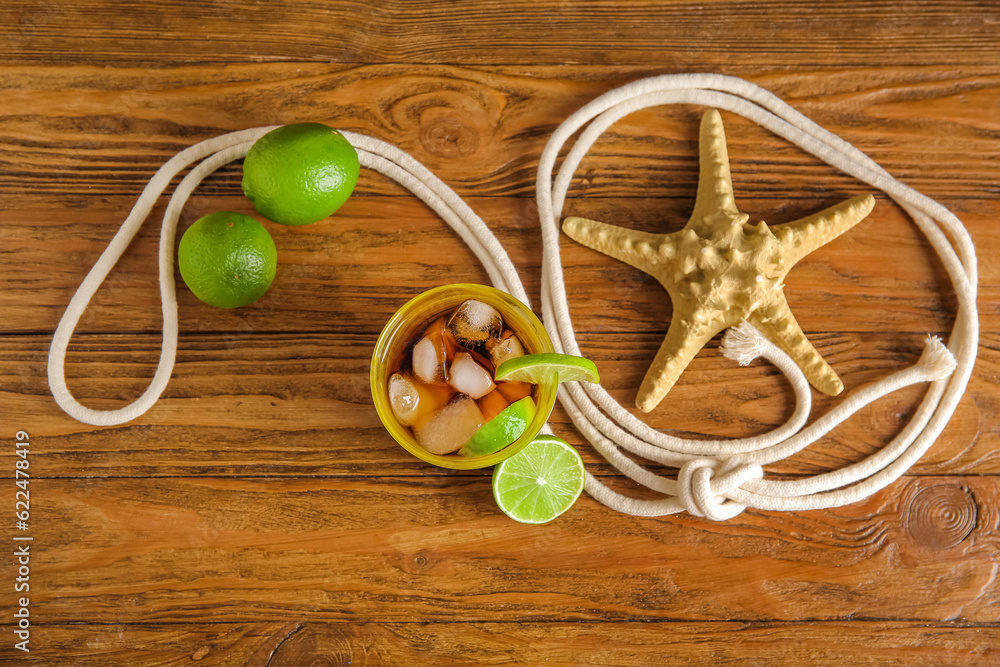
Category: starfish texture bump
<point>720,270</point>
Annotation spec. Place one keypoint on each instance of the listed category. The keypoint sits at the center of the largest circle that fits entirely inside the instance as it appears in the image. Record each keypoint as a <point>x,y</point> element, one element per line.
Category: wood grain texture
<point>482,130</point>
<point>673,34</point>
<point>260,515</point>
<point>274,404</point>
<point>430,548</point>
<point>604,644</point>
<point>331,275</point>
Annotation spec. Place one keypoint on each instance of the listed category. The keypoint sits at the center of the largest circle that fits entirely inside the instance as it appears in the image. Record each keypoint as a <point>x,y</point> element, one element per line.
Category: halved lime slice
<point>538,368</point>
<point>540,482</point>
<point>502,430</point>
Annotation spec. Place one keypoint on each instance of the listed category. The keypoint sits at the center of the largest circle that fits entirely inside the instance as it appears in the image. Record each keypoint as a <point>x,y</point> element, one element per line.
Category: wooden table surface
<point>260,514</point>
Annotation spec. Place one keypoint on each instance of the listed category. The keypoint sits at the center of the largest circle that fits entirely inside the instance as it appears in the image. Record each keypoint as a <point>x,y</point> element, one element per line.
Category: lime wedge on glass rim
<point>546,366</point>
<point>502,430</point>
<point>540,482</point>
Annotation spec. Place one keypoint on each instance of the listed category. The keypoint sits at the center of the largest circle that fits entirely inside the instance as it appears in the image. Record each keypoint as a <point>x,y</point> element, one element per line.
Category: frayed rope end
<point>742,343</point>
<point>937,361</point>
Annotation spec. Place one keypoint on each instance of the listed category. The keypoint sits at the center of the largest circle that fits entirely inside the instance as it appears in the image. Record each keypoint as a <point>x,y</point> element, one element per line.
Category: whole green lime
<point>299,174</point>
<point>227,259</point>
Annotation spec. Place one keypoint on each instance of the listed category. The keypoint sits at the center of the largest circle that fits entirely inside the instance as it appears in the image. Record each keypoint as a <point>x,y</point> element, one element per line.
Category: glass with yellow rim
<point>418,312</point>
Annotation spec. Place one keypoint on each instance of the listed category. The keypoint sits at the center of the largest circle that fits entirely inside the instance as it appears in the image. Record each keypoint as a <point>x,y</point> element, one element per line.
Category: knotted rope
<point>717,479</point>
<point>612,429</point>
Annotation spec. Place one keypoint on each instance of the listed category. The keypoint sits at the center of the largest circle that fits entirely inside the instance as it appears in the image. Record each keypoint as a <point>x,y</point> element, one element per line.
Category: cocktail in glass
<point>431,375</point>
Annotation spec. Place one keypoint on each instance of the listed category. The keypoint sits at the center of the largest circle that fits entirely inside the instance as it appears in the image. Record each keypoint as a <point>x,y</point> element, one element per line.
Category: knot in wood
<point>448,136</point>
<point>941,516</point>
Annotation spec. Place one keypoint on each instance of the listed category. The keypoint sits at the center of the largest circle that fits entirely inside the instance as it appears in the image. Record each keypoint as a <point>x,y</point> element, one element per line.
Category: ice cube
<point>411,400</point>
<point>480,359</point>
<point>468,377</point>
<point>431,356</point>
<point>475,322</point>
<point>508,348</point>
<point>446,430</point>
<point>492,404</point>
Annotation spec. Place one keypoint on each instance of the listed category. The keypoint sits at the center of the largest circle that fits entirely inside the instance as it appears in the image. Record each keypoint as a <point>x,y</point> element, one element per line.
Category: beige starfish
<point>720,270</point>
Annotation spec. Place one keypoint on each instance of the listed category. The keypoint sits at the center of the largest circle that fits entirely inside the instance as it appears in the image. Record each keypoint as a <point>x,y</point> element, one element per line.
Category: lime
<point>227,259</point>
<point>540,482</point>
<point>502,430</point>
<point>539,368</point>
<point>298,174</point>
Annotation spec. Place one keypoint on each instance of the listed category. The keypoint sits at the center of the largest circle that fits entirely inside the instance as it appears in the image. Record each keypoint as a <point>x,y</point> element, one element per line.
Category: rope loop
<point>699,488</point>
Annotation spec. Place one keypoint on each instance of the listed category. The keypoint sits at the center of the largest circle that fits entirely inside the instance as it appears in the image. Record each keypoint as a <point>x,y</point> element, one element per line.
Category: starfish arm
<point>776,322</point>
<point>635,248</point>
<point>715,181</point>
<point>685,337</point>
<point>801,237</point>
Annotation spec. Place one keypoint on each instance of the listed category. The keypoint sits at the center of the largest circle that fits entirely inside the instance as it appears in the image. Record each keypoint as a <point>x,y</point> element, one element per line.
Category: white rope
<point>216,152</point>
<point>241,142</point>
<point>718,478</point>
<point>698,490</point>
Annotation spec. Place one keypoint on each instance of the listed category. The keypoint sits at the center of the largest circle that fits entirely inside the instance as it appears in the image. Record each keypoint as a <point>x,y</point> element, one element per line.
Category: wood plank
<point>275,404</point>
<point>124,643</point>
<point>596,643</point>
<point>674,35</point>
<point>349,274</point>
<point>390,549</point>
<point>91,131</point>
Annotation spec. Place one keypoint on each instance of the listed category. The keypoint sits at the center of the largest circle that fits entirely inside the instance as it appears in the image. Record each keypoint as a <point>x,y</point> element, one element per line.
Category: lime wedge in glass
<point>540,482</point>
<point>502,430</point>
<point>539,368</point>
